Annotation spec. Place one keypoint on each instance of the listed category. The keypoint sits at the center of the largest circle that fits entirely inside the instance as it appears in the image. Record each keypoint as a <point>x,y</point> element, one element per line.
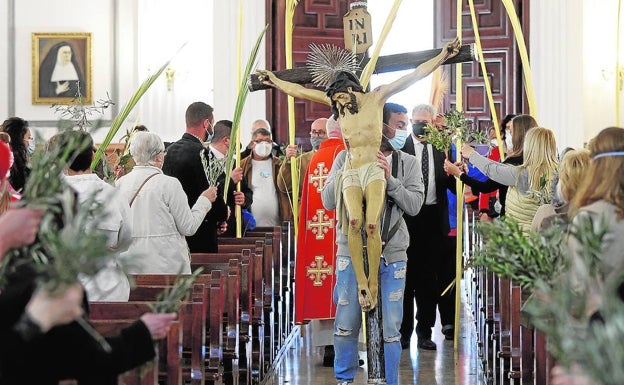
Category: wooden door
<point>320,21</point>
<point>502,60</point>
<point>315,21</point>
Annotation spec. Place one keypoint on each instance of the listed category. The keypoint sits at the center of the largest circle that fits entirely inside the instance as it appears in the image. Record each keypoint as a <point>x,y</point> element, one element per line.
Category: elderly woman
<point>161,215</point>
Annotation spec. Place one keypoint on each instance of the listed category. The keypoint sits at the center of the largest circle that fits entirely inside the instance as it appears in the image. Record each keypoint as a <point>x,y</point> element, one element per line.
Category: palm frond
<point>370,66</point>
<point>243,92</point>
<point>511,253</point>
<point>169,300</point>
<point>121,117</point>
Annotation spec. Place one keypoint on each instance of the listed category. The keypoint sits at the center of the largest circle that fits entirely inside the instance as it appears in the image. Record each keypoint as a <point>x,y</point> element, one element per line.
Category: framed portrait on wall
<point>61,67</point>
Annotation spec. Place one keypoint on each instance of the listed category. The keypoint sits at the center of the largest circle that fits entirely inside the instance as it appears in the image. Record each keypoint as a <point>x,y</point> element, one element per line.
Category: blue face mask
<point>398,142</point>
<point>209,134</point>
<point>31,146</point>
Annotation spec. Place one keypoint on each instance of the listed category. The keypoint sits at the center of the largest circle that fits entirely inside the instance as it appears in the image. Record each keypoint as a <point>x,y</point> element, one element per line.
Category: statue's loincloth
<point>354,177</point>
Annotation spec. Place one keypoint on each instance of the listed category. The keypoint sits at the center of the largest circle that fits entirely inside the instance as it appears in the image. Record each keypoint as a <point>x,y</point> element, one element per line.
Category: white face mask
<point>263,149</point>
<point>508,140</point>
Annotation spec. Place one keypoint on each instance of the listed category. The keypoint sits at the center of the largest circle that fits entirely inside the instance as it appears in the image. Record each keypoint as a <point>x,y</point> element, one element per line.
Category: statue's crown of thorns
<point>327,60</point>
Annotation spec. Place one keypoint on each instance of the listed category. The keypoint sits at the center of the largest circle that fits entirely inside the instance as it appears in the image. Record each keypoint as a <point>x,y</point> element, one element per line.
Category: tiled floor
<point>302,363</point>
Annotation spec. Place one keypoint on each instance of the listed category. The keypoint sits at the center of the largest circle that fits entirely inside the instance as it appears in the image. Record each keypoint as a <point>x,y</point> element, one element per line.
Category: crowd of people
<point>166,208</point>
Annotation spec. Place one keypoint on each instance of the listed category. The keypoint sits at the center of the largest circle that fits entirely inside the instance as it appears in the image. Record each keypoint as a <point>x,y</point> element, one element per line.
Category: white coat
<point>162,218</point>
<point>111,283</point>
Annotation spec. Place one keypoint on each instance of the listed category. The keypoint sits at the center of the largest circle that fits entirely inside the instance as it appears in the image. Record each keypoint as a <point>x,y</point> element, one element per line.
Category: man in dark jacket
<point>183,161</point>
<point>428,265</point>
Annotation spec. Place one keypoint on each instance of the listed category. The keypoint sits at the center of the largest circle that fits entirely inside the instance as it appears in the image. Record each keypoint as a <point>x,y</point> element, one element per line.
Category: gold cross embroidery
<point>317,178</point>
<point>319,270</point>
<point>320,224</point>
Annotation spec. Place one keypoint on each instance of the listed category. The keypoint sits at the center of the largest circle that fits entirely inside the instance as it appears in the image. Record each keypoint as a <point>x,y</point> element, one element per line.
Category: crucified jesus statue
<point>363,183</point>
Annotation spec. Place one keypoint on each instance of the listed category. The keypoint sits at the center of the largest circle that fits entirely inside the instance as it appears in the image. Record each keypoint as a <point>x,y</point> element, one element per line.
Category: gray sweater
<point>408,193</point>
<point>503,173</point>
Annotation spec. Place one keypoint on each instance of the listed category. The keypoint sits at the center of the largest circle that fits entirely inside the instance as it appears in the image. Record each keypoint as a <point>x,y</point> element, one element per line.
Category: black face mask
<point>418,128</point>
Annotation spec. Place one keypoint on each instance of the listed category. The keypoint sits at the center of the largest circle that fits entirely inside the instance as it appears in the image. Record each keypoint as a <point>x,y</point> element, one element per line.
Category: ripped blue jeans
<point>349,318</point>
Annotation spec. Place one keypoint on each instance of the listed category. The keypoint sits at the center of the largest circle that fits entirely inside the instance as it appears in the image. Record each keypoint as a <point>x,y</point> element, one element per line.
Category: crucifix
<point>359,114</point>
<point>363,179</point>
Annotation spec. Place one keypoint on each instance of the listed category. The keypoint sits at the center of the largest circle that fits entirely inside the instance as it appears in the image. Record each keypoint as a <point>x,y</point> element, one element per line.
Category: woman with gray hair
<point>160,210</point>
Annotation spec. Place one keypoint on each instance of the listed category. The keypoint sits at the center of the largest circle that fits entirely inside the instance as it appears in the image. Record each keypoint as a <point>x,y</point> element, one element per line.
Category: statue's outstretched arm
<point>293,89</point>
<point>450,49</point>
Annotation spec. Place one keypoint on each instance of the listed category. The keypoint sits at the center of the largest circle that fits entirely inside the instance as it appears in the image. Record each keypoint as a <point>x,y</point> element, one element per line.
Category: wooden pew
<point>516,347</point>
<point>193,327</point>
<point>267,248</point>
<point>206,326</point>
<point>237,296</point>
<point>273,238</point>
<point>109,318</point>
<point>258,325</point>
<point>283,262</point>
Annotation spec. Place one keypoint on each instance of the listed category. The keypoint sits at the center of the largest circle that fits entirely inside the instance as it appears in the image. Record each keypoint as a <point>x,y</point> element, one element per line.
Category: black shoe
<point>405,344</point>
<point>449,332</point>
<point>328,356</point>
<point>426,344</point>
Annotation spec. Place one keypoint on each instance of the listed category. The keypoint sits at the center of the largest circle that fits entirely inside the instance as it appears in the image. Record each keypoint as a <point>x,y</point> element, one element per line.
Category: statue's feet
<point>366,299</point>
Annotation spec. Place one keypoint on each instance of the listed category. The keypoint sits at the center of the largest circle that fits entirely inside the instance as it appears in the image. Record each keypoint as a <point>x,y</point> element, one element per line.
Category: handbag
<point>140,187</point>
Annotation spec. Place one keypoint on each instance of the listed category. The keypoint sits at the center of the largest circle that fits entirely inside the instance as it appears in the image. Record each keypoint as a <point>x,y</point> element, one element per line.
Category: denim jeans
<point>349,318</point>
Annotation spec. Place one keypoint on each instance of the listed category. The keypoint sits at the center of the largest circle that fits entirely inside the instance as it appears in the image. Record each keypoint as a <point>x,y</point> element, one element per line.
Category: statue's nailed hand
<point>266,77</point>
<point>452,47</point>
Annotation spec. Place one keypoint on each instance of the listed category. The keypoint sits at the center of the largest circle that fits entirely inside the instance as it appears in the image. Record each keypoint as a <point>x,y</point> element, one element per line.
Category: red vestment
<point>315,272</point>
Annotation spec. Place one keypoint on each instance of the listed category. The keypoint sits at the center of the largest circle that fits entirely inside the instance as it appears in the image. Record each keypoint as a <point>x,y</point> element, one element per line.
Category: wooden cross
<point>389,63</point>
<point>319,223</point>
<point>319,270</point>
<point>317,178</point>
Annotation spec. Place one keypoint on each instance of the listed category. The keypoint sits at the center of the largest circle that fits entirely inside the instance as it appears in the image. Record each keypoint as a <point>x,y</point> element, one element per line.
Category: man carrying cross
<point>360,116</point>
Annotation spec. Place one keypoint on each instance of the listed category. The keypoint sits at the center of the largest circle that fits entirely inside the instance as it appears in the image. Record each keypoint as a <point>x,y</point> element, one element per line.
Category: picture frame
<point>61,67</point>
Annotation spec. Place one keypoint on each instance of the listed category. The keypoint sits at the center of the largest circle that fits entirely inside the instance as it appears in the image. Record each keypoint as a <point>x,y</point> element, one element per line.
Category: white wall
<point>572,59</point>
<point>4,64</point>
<point>71,19</point>
<point>130,39</point>
<point>572,53</point>
<point>225,63</point>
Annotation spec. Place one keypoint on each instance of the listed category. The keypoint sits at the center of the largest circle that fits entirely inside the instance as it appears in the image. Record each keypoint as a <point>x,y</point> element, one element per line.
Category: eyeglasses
<point>260,141</point>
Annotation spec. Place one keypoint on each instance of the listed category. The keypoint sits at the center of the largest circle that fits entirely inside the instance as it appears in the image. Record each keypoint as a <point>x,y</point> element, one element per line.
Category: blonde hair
<point>572,170</point>
<point>540,159</point>
<point>605,179</point>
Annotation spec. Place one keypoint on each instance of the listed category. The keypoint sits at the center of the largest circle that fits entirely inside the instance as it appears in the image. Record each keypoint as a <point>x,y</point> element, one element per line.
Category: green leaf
<point>170,299</point>
<point>243,92</point>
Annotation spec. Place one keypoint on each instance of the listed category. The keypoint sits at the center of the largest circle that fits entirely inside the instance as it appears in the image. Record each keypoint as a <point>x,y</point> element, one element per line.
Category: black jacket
<point>183,162</point>
<point>442,182</point>
<point>64,352</point>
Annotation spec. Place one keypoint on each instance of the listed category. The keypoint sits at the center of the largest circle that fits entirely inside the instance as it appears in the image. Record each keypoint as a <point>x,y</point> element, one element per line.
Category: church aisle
<point>302,365</point>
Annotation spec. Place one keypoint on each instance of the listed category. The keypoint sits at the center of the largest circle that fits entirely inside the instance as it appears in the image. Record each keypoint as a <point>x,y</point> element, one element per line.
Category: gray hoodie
<point>406,190</point>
